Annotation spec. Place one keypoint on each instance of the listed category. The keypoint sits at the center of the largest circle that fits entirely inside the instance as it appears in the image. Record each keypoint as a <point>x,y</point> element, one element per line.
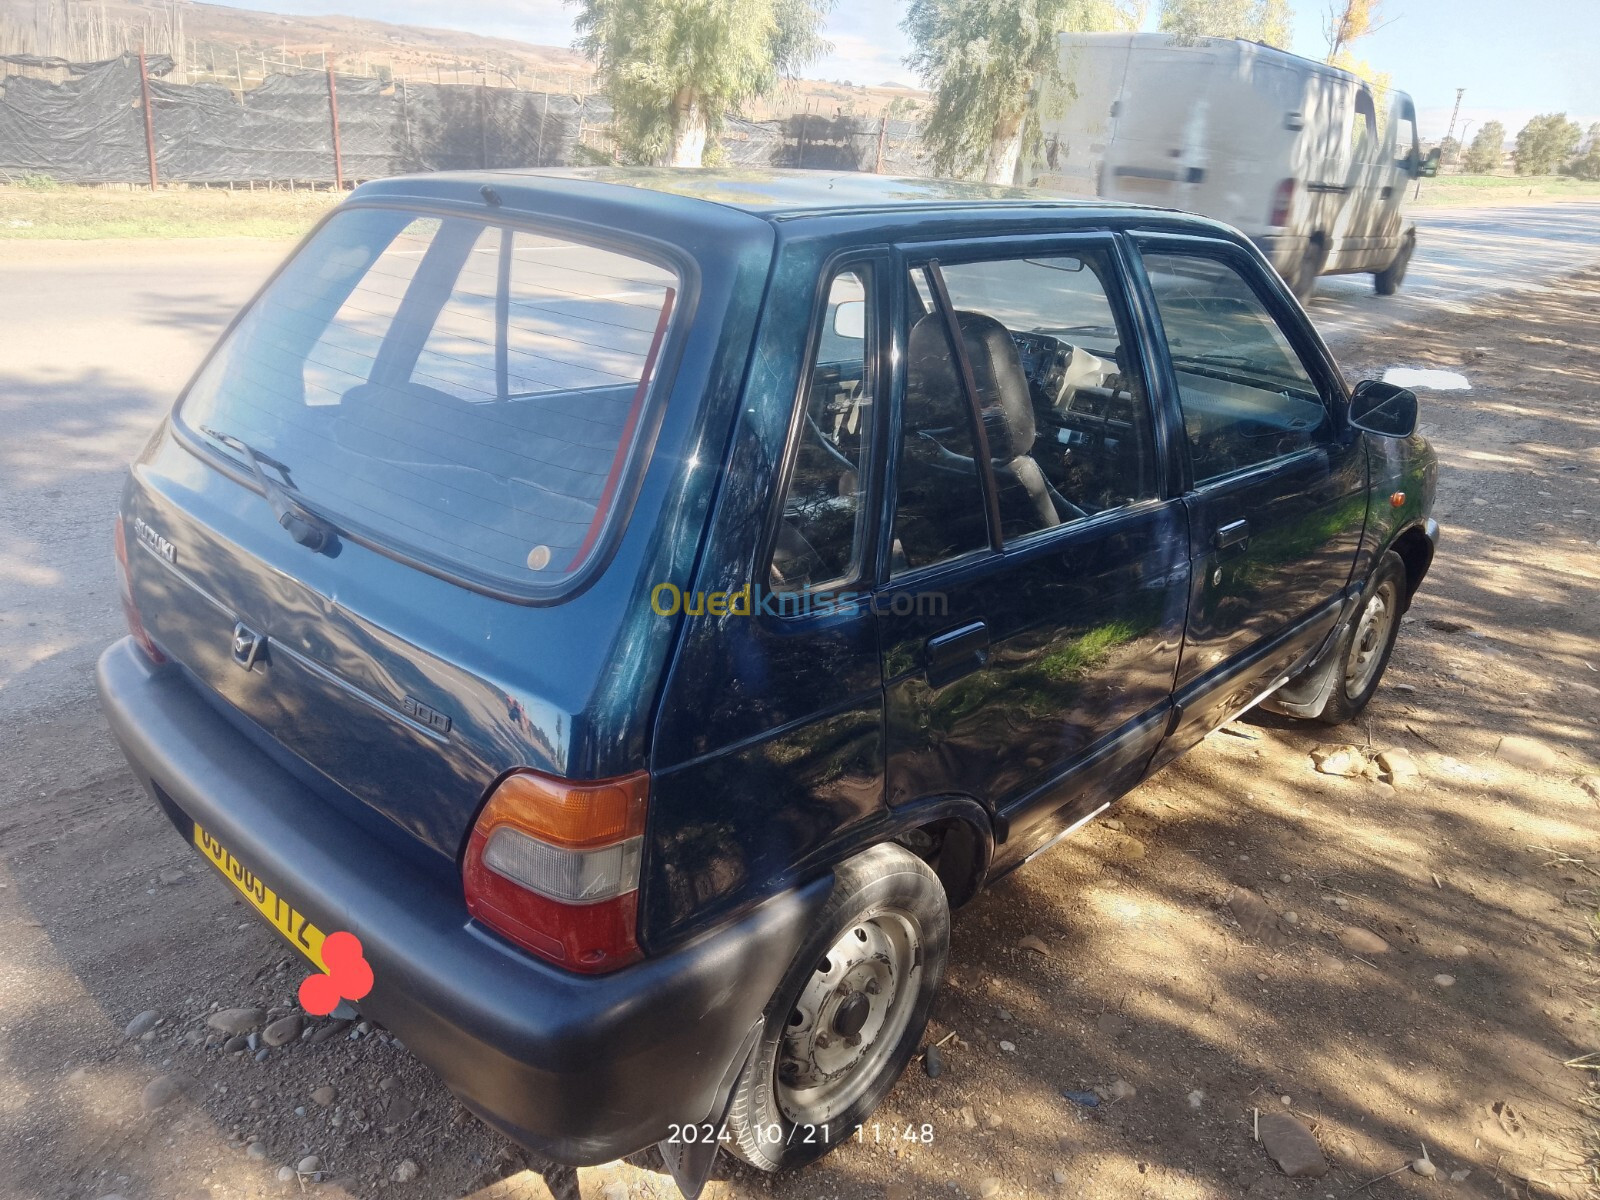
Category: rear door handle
<point>956,653</point>
<point>1232,533</point>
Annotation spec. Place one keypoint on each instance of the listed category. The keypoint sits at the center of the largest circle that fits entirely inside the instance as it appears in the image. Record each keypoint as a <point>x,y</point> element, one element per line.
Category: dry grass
<point>1463,190</point>
<point>90,213</point>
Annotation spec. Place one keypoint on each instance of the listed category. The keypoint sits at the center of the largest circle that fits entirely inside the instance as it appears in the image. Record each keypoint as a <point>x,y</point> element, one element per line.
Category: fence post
<point>149,126</point>
<point>544,119</point>
<point>883,133</point>
<point>483,125</point>
<point>333,118</point>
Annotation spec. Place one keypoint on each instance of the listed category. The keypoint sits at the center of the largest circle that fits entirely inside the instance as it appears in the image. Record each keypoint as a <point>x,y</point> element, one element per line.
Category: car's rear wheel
<point>848,1015</point>
<point>1367,642</point>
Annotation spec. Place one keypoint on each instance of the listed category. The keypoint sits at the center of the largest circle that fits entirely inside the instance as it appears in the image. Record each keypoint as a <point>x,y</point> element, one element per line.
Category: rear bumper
<point>581,1069</point>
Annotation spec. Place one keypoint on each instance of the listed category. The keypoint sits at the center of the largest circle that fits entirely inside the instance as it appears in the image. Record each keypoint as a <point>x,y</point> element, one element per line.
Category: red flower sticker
<point>349,975</point>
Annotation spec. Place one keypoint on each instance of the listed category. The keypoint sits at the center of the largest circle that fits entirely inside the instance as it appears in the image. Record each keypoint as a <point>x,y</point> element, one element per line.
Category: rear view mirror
<point>1384,409</point>
<point>850,319</point>
<point>1430,165</point>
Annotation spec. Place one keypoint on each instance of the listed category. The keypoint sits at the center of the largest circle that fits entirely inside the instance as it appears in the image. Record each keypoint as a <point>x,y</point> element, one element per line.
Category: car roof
<point>770,194</point>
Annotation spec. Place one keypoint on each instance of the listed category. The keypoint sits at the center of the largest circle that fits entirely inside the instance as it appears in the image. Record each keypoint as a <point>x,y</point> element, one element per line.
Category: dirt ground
<point>1198,966</point>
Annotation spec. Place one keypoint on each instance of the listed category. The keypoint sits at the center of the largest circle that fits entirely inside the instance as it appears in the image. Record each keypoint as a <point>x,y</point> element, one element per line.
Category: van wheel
<point>849,1013</point>
<point>1387,281</point>
<point>1304,281</point>
<point>1366,643</point>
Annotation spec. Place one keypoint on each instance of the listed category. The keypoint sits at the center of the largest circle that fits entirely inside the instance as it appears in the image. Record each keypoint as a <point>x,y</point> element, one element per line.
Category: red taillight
<point>554,866</point>
<point>130,610</point>
<point>1282,202</point>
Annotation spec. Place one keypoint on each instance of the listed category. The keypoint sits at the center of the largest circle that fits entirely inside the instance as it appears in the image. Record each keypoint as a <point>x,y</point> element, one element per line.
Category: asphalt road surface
<point>95,340</point>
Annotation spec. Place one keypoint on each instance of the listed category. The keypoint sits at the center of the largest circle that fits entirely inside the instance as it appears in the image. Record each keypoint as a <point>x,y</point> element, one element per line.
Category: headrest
<point>934,399</point>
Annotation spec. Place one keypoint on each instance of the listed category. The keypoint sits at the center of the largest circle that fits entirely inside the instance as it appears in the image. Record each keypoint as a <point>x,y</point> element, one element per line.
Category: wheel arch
<point>954,835</point>
<point>1415,549</point>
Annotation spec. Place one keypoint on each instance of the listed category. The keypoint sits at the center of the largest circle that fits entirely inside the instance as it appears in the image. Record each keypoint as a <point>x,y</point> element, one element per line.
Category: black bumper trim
<point>583,1069</point>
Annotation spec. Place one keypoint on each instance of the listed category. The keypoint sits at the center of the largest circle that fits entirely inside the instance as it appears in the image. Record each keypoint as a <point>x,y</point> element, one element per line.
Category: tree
<point>1545,144</point>
<point>1269,21</point>
<point>1348,22</point>
<point>985,61</point>
<point>1449,152</point>
<point>1588,165</point>
<point>1488,149</point>
<point>672,68</point>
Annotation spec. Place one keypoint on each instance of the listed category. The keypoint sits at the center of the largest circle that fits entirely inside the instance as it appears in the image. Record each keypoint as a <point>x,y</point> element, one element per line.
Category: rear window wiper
<point>312,531</point>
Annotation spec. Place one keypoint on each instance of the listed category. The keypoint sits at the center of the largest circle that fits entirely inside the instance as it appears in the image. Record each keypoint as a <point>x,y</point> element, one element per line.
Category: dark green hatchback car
<point>640,606</point>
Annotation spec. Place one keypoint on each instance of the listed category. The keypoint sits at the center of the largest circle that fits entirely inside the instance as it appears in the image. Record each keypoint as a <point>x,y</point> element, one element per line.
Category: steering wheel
<point>833,451</point>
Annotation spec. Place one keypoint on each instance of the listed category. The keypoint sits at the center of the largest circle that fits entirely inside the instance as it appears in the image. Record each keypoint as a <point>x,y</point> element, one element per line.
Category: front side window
<point>1060,396</point>
<point>459,391</point>
<point>1247,396</point>
<point>824,520</point>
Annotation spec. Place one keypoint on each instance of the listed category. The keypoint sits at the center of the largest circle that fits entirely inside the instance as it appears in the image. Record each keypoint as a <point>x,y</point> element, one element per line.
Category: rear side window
<point>465,393</point>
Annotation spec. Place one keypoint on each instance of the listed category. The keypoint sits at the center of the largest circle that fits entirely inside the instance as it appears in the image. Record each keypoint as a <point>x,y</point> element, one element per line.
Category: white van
<point>1301,156</point>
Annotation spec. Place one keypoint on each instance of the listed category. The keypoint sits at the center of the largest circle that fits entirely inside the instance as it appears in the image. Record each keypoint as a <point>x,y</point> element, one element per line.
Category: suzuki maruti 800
<point>640,606</point>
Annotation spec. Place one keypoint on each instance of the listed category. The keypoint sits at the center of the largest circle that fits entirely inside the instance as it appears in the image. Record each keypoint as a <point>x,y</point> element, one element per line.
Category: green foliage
<point>1546,143</point>
<point>666,64</point>
<point>1269,21</point>
<point>1587,164</point>
<point>39,183</point>
<point>985,60</point>
<point>1487,151</point>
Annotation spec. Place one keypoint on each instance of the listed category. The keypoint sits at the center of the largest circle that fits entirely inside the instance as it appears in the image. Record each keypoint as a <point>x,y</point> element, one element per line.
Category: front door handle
<point>957,652</point>
<point>1232,533</point>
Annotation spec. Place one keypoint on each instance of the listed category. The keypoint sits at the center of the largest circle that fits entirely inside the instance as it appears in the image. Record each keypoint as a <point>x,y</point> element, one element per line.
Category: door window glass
<point>1063,405</point>
<point>824,518</point>
<point>1064,411</point>
<point>1405,142</point>
<point>939,508</point>
<point>1247,397</point>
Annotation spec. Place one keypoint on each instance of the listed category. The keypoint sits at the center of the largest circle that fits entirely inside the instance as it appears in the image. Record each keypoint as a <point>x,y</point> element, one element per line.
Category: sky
<point>1515,60</point>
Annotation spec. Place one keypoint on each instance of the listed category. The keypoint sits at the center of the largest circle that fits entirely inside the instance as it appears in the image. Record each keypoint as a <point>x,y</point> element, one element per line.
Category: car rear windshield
<point>464,393</point>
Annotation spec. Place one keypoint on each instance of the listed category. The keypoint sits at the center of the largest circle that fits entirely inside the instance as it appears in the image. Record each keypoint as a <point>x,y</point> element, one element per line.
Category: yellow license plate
<point>294,925</point>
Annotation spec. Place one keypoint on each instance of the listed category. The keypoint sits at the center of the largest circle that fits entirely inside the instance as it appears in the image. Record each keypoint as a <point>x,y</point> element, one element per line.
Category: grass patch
<point>1456,190</point>
<point>89,213</point>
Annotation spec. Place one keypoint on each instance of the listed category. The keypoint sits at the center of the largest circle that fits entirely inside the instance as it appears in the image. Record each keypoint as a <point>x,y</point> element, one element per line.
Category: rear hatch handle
<point>310,529</point>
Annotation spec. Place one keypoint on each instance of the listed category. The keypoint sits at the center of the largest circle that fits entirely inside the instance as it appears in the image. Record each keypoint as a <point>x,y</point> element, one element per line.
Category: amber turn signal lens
<point>574,815</point>
<point>1397,500</point>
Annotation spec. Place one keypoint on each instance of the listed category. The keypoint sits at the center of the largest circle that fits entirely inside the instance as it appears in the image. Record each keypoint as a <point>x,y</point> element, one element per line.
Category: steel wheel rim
<point>849,1017</point>
<point>1371,639</point>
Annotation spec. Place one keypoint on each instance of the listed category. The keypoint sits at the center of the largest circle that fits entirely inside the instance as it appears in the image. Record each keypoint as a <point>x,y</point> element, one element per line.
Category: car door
<point>1276,481</point>
<point>1033,573</point>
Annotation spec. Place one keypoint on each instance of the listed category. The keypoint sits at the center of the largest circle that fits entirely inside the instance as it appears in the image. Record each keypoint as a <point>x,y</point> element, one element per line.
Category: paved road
<point>1462,253</point>
<point>95,341</point>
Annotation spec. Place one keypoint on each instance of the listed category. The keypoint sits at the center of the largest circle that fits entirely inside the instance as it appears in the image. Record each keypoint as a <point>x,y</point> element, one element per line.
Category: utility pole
<point>1454,113</point>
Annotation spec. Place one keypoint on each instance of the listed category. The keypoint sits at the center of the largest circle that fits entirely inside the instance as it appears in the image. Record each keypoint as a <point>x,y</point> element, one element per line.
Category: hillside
<point>236,47</point>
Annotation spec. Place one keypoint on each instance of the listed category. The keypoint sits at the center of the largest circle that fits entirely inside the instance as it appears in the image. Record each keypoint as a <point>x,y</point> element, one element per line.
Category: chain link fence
<point>92,129</point>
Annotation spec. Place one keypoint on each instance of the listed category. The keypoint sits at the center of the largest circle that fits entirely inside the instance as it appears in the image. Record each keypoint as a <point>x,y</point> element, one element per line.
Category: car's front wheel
<point>848,1015</point>
<point>1366,643</point>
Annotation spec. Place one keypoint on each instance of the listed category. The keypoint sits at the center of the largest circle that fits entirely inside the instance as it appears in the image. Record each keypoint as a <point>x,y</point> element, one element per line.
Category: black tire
<point>1304,280</point>
<point>1387,281</point>
<point>1388,587</point>
<point>884,884</point>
